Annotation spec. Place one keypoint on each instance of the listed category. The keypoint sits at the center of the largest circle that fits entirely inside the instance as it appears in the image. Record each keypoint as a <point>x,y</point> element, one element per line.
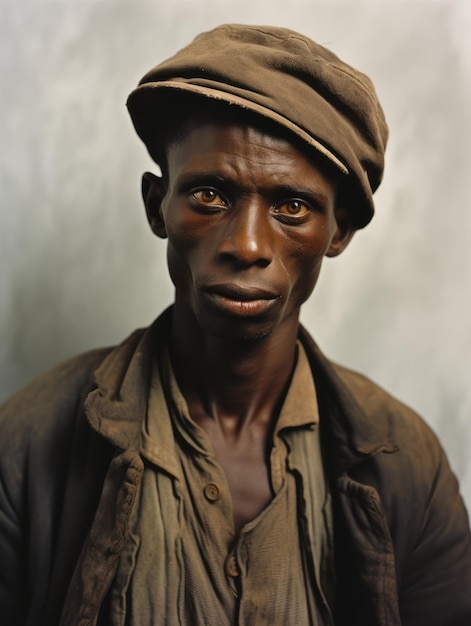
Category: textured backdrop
<point>80,268</point>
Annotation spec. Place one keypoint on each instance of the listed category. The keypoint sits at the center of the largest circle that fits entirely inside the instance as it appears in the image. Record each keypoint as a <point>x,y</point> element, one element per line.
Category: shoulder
<point>419,460</point>
<point>39,423</point>
<point>50,402</point>
<point>368,411</point>
<point>418,491</point>
<point>54,390</point>
<point>391,447</point>
<point>47,404</point>
<point>395,418</point>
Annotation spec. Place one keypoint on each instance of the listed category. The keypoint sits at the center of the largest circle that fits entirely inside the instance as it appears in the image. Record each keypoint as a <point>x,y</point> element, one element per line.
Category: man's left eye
<point>292,208</point>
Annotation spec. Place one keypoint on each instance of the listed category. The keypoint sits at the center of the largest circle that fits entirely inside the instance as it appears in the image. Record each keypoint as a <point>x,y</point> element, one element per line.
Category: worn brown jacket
<point>70,468</point>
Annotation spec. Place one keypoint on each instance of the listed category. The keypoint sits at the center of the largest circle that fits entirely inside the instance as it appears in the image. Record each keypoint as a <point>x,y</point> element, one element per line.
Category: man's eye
<point>208,197</point>
<point>292,208</point>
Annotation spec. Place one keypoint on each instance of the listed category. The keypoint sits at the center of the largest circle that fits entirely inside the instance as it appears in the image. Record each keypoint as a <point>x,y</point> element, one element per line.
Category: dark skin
<point>249,218</point>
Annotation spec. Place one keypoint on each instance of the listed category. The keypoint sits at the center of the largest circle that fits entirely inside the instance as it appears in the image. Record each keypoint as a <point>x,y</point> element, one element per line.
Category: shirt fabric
<point>183,563</point>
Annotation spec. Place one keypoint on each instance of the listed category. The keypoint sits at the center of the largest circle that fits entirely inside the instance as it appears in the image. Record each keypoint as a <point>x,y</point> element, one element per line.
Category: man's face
<point>249,219</point>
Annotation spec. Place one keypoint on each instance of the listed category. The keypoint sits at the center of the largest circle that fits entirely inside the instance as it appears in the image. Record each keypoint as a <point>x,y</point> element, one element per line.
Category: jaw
<point>200,328</point>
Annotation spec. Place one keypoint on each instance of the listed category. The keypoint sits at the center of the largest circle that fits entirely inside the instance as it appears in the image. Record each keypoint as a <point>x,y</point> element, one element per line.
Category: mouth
<point>239,300</point>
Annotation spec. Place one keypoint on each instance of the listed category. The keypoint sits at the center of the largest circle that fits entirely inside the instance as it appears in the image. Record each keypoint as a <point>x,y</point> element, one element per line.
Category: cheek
<point>175,265</point>
<point>186,245</point>
<point>307,276</point>
<point>185,228</point>
<point>180,231</point>
<point>181,260</point>
<point>305,262</point>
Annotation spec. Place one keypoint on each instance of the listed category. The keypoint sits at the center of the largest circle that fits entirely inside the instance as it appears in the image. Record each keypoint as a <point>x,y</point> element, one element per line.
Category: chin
<point>233,331</point>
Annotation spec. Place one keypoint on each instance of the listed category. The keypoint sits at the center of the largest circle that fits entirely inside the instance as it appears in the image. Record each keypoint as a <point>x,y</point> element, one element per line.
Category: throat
<point>234,392</point>
<point>239,425</point>
<point>233,388</point>
<point>238,380</point>
<point>245,463</point>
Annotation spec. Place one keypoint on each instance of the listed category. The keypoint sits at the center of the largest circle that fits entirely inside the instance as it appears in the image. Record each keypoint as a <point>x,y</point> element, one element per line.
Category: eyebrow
<point>199,179</point>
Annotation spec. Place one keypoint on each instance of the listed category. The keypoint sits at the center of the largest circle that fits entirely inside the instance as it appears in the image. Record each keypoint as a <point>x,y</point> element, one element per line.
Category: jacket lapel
<point>365,565</point>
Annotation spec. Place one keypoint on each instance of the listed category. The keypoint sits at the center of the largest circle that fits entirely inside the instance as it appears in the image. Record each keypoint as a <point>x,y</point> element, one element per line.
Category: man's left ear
<point>343,234</point>
<point>153,192</point>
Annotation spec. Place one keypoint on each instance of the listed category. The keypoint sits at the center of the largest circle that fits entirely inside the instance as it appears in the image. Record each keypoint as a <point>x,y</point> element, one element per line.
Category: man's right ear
<point>153,192</point>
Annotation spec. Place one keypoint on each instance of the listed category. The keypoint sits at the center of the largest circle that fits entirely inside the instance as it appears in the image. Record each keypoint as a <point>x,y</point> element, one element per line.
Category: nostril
<point>242,260</point>
<point>262,262</point>
<point>245,256</point>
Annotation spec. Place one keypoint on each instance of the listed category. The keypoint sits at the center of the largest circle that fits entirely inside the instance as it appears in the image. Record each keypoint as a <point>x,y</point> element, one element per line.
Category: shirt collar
<point>300,405</point>
<point>116,408</point>
<point>299,409</point>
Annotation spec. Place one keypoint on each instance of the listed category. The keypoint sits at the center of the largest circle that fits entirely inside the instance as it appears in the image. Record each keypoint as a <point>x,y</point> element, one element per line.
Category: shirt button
<point>232,568</point>
<point>212,491</point>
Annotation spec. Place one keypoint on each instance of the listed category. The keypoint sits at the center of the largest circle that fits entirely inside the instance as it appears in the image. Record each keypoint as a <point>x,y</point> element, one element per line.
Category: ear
<point>154,189</point>
<point>343,234</point>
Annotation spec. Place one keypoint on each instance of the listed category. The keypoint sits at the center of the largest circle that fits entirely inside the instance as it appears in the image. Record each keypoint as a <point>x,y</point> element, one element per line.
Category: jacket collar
<point>350,404</point>
<point>117,407</point>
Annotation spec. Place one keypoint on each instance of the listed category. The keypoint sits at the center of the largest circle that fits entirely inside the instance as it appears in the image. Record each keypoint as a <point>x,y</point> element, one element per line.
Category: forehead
<point>244,148</point>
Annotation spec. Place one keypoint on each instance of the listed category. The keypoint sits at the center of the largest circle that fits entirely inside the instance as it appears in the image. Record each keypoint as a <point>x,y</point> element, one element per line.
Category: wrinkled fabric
<point>182,563</point>
<point>70,470</point>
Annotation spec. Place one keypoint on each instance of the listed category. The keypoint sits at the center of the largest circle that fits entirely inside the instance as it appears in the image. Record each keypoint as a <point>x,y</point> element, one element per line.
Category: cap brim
<point>144,100</point>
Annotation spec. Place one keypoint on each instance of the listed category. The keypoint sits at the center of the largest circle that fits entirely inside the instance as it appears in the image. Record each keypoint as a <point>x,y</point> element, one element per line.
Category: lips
<point>240,300</point>
<point>238,292</point>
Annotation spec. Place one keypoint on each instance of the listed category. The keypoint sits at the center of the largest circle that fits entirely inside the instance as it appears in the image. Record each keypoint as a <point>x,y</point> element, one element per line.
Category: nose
<point>247,238</point>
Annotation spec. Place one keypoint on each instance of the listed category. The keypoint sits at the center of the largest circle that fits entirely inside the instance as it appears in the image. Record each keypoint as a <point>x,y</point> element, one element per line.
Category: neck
<point>241,382</point>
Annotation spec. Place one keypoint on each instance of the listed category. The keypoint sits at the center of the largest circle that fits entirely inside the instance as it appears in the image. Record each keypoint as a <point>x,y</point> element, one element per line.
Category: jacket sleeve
<point>423,509</point>
<point>38,430</point>
<point>423,517</point>
<point>16,441</point>
<point>435,582</point>
<point>428,524</point>
<point>12,546</point>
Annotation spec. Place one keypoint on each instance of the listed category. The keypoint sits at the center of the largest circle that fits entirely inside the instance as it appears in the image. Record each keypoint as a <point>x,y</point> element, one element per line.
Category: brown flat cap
<point>287,78</point>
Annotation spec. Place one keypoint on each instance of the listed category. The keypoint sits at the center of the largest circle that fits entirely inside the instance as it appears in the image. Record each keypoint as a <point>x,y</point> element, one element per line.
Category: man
<point>216,468</point>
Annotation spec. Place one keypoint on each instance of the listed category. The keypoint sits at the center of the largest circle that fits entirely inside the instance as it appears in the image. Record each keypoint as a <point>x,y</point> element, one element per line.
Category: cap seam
<point>370,92</point>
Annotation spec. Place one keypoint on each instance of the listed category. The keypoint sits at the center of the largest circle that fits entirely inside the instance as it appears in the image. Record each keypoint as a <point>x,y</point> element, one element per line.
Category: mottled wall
<point>80,268</point>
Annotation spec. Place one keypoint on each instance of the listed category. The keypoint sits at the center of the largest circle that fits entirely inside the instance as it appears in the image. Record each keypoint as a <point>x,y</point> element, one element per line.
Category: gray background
<point>80,267</point>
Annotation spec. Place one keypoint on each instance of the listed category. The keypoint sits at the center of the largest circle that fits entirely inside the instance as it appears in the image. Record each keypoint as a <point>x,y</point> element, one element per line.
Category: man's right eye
<point>208,197</point>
